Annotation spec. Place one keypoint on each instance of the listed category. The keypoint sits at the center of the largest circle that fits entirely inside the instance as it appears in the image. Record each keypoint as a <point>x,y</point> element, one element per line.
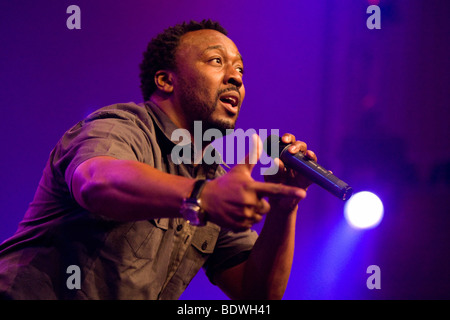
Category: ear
<point>164,81</point>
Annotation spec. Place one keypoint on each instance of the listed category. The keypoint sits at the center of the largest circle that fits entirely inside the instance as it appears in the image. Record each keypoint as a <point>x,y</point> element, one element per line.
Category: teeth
<point>230,100</point>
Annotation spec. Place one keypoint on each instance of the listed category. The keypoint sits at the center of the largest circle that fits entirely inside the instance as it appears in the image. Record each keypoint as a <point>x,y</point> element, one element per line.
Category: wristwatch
<point>191,209</point>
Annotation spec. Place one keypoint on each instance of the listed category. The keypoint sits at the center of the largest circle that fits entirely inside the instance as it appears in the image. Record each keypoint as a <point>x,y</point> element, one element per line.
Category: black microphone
<point>307,167</point>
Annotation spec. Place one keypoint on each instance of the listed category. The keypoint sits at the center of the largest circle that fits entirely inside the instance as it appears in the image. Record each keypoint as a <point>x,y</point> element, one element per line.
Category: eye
<point>216,60</point>
<point>240,70</point>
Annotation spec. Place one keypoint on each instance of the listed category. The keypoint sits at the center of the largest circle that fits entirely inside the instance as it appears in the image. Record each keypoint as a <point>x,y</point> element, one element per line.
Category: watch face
<point>189,211</point>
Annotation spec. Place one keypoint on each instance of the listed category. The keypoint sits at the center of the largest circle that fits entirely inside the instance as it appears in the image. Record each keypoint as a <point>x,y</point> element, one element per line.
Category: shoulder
<point>130,110</point>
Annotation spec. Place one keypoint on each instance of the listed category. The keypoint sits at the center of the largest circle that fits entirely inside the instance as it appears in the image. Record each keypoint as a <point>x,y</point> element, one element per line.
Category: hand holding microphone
<point>302,164</point>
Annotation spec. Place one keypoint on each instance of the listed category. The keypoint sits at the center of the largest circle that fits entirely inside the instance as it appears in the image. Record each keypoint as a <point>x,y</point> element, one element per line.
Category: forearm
<point>267,270</point>
<point>128,190</point>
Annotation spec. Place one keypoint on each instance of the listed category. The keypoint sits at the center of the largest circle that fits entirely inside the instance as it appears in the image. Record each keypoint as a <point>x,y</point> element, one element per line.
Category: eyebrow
<point>220,47</point>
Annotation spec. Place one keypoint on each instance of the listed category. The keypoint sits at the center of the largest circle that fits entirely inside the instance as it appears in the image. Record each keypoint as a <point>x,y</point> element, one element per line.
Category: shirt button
<point>179,227</point>
<point>205,245</point>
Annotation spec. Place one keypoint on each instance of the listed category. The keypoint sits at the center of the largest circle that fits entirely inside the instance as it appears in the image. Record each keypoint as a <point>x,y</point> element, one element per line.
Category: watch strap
<point>197,190</point>
<point>191,209</point>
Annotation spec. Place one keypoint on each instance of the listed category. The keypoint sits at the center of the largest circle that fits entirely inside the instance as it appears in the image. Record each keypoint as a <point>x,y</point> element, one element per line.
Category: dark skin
<point>129,190</point>
<point>264,275</point>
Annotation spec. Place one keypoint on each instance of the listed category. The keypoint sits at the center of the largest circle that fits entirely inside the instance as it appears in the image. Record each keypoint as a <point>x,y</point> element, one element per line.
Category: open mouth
<point>231,101</point>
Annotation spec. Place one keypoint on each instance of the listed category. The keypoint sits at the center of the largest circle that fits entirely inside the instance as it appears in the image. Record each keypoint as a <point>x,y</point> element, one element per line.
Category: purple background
<point>373,105</point>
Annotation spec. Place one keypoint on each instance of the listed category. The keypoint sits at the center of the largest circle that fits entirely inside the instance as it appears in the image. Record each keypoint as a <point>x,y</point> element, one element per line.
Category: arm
<point>265,274</point>
<point>126,190</point>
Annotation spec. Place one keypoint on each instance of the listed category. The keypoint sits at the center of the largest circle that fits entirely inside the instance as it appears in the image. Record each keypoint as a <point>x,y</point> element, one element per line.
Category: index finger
<point>277,189</point>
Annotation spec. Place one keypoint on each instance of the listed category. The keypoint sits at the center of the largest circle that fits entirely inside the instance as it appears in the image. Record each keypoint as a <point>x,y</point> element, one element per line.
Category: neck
<point>176,115</point>
<point>168,107</point>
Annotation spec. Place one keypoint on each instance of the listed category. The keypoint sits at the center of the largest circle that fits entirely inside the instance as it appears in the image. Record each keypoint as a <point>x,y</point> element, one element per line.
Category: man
<point>112,204</point>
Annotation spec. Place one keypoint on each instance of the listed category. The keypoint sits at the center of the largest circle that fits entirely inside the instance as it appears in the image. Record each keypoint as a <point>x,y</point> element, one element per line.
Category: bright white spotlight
<point>364,210</point>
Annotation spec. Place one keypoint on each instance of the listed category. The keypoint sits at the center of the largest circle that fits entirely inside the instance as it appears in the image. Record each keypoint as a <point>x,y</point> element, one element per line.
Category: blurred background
<point>373,105</point>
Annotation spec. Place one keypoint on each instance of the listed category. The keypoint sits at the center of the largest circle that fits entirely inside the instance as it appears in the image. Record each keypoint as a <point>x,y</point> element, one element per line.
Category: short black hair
<point>160,53</point>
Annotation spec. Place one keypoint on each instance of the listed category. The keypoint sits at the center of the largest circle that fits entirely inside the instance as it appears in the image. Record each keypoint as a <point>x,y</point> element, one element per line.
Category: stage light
<point>364,210</point>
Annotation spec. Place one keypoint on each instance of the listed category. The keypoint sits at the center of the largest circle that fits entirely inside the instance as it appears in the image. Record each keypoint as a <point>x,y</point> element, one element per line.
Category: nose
<point>233,77</point>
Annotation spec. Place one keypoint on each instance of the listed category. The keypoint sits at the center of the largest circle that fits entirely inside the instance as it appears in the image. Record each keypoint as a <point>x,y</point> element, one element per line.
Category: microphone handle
<point>316,173</point>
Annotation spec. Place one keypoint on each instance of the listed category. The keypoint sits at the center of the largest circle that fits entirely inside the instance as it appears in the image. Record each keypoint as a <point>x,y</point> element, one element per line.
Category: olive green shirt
<point>153,259</point>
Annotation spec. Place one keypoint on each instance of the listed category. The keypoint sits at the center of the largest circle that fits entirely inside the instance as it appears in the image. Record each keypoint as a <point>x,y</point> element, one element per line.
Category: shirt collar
<point>167,127</point>
<point>162,120</point>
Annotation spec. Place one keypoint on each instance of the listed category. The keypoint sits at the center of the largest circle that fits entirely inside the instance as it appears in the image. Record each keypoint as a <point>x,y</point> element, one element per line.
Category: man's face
<point>208,85</point>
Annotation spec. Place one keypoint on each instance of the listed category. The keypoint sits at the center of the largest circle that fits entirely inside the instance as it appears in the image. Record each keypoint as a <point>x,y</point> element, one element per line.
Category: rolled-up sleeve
<point>104,134</point>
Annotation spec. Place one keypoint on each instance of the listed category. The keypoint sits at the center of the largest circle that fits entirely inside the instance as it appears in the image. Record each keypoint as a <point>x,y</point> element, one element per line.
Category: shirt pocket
<point>145,237</point>
<point>201,247</point>
<point>205,238</point>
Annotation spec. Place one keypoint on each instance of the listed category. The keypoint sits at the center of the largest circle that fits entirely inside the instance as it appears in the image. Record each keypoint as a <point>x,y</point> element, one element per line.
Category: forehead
<point>197,42</point>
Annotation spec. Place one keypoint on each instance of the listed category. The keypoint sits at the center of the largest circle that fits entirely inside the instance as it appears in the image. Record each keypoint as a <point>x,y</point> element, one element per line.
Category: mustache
<point>232,88</point>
